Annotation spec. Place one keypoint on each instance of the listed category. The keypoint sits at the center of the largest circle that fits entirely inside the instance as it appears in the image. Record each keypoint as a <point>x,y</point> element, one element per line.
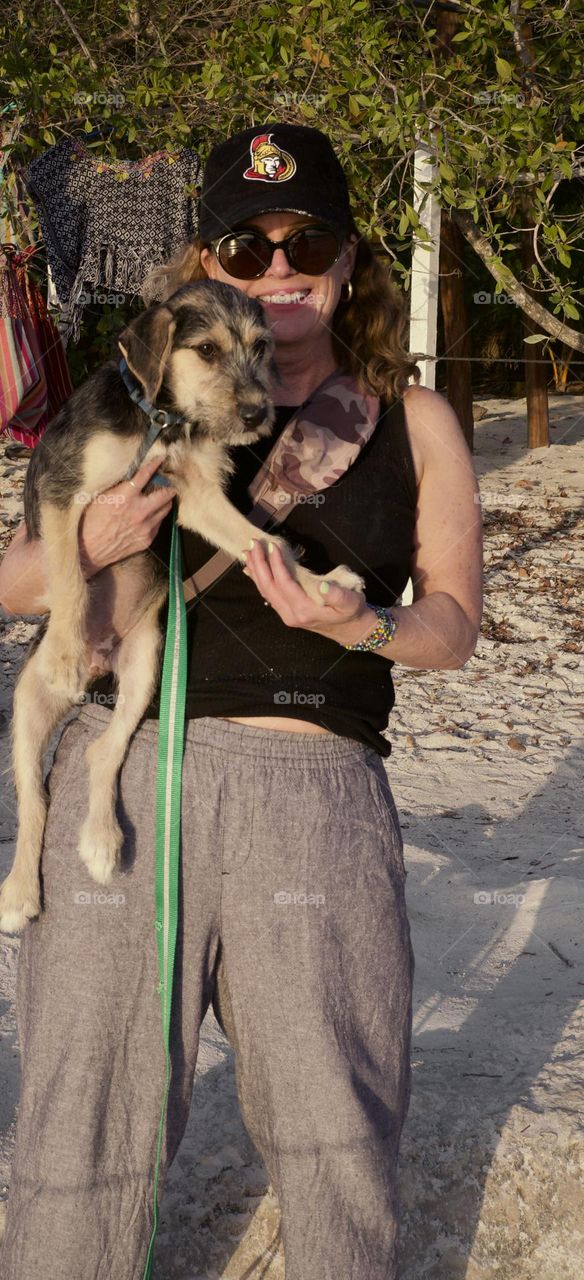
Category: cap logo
<point>268,162</point>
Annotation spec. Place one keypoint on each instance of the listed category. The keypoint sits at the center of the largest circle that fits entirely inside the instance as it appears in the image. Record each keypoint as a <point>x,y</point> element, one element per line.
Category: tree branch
<point>504,276</point>
<point>78,37</point>
<point>522,48</point>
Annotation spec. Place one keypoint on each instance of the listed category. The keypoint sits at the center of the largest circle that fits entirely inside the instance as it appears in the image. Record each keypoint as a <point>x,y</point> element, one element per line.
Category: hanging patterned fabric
<point>34,376</point>
<point>23,385</point>
<point>59,385</point>
<point>107,223</point>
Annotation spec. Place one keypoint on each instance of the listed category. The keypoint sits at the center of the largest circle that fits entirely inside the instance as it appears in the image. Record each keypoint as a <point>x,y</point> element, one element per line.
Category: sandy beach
<point>486,770</point>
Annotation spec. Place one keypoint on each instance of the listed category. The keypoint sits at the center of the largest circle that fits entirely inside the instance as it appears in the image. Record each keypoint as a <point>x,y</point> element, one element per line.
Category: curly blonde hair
<point>368,332</point>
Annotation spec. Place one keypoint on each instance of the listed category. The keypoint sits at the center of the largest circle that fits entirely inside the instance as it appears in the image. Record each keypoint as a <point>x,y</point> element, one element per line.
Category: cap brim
<point>242,215</point>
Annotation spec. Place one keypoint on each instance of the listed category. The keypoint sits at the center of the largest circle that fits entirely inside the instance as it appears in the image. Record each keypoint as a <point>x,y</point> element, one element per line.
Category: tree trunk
<point>536,367</point>
<point>457,343</point>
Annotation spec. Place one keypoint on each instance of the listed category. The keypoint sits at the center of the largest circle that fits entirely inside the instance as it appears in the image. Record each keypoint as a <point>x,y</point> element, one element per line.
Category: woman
<point>293,880</point>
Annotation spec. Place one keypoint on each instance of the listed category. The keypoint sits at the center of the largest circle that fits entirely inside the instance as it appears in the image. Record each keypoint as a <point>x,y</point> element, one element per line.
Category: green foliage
<point>501,112</point>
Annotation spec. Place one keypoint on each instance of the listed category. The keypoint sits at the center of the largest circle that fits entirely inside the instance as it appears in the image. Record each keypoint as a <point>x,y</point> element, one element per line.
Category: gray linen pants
<point>293,922</point>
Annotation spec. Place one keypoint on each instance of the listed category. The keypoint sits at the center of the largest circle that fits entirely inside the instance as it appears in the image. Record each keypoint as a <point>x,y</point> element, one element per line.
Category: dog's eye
<point>207,350</point>
<point>259,348</point>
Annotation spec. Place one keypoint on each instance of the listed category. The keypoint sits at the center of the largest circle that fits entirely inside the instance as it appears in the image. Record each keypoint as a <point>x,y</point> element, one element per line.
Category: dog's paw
<point>310,583</point>
<point>99,849</point>
<point>290,554</point>
<point>345,577</point>
<point>342,576</point>
<point>17,904</point>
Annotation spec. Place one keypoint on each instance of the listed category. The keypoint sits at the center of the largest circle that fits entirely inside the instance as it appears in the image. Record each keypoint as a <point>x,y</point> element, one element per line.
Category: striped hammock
<point>34,376</point>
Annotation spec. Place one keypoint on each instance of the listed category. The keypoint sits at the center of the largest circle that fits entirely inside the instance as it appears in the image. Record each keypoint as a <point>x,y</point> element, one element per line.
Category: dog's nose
<point>252,414</point>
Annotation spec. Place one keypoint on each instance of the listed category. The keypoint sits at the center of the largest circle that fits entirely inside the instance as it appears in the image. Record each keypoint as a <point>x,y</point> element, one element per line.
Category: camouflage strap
<point>221,561</point>
<point>317,446</point>
<point>319,443</point>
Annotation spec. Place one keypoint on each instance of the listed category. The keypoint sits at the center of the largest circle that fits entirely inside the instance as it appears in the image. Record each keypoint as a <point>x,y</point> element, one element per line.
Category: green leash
<point>168,817</point>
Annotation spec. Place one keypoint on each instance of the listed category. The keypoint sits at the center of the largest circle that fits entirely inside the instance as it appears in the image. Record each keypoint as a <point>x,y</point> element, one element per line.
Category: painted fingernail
<point>270,547</point>
<point>324,586</point>
<point>244,556</point>
<point>246,572</point>
<point>251,544</point>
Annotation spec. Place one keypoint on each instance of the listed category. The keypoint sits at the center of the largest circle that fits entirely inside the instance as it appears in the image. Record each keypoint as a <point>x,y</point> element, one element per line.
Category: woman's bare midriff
<point>278,722</point>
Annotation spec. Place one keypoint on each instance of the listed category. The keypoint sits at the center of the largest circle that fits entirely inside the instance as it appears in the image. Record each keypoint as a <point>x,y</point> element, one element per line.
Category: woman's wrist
<point>432,633</point>
<point>358,629</point>
<point>382,633</point>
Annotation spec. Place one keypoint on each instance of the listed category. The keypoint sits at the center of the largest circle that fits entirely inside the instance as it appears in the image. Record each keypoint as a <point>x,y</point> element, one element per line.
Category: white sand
<point>486,771</point>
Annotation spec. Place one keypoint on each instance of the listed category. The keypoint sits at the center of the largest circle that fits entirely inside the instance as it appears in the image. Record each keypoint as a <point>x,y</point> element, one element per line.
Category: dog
<point>204,355</point>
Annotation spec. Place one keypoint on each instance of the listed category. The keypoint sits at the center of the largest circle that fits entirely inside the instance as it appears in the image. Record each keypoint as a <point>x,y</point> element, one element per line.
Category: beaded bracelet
<point>382,633</point>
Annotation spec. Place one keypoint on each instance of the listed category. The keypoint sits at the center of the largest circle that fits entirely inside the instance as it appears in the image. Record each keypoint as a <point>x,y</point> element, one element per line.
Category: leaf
<point>565,166</point>
<point>536,337</point>
<point>504,69</point>
<point>315,54</point>
<point>446,170</point>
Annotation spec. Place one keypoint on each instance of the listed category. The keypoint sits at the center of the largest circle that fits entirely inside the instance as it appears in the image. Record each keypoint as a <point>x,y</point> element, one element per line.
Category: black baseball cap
<point>272,168</point>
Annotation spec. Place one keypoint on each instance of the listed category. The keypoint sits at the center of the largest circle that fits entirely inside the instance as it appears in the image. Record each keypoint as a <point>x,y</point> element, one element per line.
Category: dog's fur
<point>87,448</point>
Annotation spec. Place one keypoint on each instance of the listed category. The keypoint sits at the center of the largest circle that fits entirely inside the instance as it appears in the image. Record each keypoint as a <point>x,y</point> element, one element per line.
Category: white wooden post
<point>424,286</point>
<point>425,264</point>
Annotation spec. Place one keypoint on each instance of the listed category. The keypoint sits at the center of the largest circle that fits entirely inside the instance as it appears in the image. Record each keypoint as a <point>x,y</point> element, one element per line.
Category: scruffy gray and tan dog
<point>206,354</point>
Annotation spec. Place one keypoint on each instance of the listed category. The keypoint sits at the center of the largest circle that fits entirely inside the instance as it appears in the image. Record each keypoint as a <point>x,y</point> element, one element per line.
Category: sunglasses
<point>246,255</point>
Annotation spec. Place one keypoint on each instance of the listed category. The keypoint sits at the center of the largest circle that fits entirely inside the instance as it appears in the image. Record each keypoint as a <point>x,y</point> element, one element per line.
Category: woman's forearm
<point>122,521</point>
<point>23,576</point>
<point>431,633</point>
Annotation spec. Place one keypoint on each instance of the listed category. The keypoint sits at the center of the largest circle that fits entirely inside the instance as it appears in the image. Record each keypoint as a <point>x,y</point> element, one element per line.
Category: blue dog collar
<point>162,417</point>
<point>159,420</point>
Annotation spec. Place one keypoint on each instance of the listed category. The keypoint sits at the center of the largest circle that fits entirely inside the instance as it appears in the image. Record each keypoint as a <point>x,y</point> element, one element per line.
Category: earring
<point>349,294</point>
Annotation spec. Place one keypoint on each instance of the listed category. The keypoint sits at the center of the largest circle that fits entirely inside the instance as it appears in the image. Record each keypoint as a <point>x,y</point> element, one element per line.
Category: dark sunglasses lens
<point>315,251</point>
<point>245,256</point>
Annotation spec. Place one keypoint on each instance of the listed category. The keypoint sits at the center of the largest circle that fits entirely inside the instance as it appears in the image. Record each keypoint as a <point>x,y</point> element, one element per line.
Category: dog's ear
<point>146,344</point>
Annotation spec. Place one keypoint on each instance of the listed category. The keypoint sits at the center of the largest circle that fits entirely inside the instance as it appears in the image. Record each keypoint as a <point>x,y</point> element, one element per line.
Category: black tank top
<point>242,659</point>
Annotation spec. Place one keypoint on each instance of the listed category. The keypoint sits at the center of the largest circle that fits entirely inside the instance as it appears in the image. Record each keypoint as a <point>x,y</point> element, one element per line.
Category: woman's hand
<point>122,520</point>
<point>344,616</point>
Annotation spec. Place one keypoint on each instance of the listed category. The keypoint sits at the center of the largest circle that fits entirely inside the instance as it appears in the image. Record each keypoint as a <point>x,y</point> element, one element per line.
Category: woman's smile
<point>284,298</point>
